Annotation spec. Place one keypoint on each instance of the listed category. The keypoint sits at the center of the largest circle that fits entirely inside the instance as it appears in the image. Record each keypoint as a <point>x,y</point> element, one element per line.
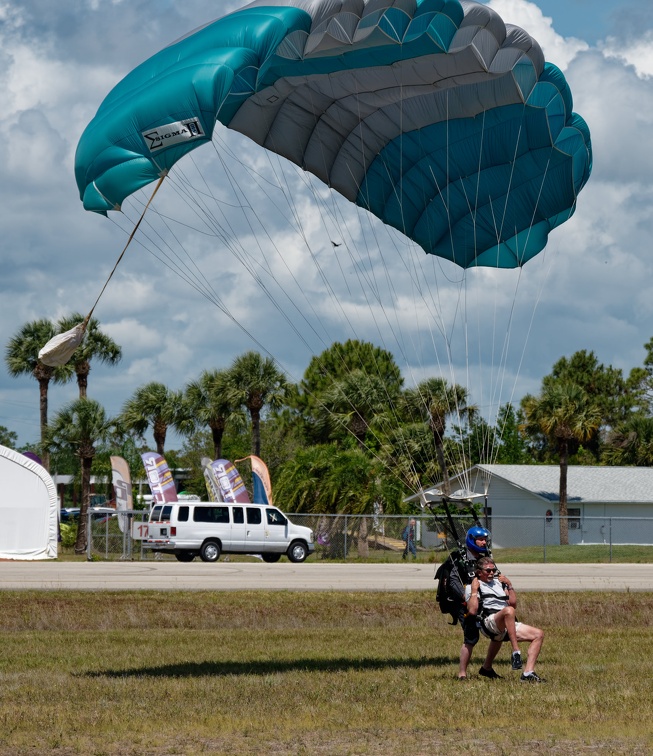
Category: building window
<point>573,518</point>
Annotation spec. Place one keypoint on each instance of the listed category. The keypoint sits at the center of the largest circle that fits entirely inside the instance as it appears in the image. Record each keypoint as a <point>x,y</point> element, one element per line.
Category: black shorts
<point>471,632</point>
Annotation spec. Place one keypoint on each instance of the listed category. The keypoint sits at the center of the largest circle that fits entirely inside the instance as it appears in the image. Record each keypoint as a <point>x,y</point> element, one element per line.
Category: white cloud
<point>636,53</point>
<point>557,49</point>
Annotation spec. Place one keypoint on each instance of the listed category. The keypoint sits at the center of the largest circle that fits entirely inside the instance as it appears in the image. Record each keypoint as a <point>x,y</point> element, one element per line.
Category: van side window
<point>182,515</point>
<point>238,515</point>
<point>165,512</point>
<point>211,514</point>
<point>253,516</point>
<point>275,517</point>
<point>154,514</point>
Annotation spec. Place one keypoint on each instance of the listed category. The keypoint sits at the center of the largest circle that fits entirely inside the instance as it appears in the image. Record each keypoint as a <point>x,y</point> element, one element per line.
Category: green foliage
<point>68,535</point>
<point>630,443</point>
<point>327,479</point>
<point>152,405</point>
<point>349,435</point>
<point>8,438</point>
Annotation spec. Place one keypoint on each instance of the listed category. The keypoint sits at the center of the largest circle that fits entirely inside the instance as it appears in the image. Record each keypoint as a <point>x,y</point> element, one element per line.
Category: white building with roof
<point>604,504</point>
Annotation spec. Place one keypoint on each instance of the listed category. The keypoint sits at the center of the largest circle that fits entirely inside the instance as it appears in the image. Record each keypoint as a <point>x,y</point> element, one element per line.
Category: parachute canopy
<point>434,115</point>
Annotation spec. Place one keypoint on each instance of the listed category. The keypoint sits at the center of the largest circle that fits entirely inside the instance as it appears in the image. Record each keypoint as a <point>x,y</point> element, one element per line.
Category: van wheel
<point>297,552</point>
<point>271,558</point>
<point>185,556</point>
<point>210,551</point>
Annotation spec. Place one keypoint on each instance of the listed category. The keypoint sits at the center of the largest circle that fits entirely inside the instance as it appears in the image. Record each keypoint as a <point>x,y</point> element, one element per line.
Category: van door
<point>238,529</point>
<point>276,531</point>
<point>255,530</point>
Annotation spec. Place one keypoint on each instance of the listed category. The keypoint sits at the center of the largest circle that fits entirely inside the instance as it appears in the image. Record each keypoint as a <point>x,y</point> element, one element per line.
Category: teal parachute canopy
<point>434,115</point>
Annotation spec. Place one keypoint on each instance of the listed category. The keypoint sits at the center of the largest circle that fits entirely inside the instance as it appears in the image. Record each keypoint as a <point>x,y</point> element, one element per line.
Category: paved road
<point>304,577</point>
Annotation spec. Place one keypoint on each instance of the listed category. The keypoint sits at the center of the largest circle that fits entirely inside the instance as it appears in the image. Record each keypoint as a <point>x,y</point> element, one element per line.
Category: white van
<point>208,529</point>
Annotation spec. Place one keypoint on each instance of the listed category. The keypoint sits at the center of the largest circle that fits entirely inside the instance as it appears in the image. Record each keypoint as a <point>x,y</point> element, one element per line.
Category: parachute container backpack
<point>452,576</point>
<point>434,115</point>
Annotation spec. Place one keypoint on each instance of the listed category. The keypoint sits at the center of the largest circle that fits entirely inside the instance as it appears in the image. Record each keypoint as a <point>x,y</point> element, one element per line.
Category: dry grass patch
<point>329,673</point>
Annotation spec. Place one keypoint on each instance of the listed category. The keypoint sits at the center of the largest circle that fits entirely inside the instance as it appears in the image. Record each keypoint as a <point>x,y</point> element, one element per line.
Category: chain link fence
<point>379,537</point>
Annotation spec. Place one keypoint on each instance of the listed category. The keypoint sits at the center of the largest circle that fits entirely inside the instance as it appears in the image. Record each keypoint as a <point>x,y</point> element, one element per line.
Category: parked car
<point>69,514</point>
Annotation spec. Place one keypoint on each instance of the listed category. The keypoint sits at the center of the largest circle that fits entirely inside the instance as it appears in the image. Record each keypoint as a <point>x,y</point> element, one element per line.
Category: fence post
<point>88,535</point>
<point>610,536</point>
<point>544,539</point>
<point>345,539</point>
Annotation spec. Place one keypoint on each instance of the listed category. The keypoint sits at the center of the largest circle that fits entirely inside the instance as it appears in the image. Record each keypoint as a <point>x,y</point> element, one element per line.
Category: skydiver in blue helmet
<point>477,542</point>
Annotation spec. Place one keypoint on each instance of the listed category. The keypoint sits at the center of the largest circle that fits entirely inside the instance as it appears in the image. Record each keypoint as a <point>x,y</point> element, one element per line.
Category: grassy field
<point>152,673</point>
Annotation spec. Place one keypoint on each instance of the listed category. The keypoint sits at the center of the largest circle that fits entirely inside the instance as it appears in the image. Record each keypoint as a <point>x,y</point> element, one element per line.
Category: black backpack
<point>452,576</point>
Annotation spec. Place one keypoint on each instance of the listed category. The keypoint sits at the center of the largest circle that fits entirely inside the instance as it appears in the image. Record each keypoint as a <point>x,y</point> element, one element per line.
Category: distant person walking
<point>409,538</point>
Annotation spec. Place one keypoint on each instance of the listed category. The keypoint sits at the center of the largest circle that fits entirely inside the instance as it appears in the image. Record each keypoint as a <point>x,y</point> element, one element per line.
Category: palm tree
<point>353,402</point>
<point>208,403</point>
<point>254,383</point>
<point>435,401</point>
<point>631,443</point>
<point>22,358</point>
<point>95,345</point>
<point>565,414</point>
<point>78,427</point>
<point>153,404</point>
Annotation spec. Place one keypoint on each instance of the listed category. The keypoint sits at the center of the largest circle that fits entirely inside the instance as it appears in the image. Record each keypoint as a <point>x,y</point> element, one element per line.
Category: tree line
<point>349,437</point>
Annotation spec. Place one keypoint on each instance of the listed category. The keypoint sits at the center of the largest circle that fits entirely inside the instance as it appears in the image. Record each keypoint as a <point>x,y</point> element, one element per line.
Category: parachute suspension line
<point>537,202</point>
<point>496,387</point>
<point>512,170</point>
<point>289,198</point>
<point>504,356</point>
<point>258,343</point>
<point>368,276</point>
<point>251,265</point>
<point>508,333</point>
<point>122,254</point>
<point>316,262</point>
<point>288,195</point>
<point>372,285</point>
<point>213,299</point>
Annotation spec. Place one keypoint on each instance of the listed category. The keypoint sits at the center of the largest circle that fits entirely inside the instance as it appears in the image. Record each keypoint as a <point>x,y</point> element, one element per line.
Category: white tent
<point>28,508</point>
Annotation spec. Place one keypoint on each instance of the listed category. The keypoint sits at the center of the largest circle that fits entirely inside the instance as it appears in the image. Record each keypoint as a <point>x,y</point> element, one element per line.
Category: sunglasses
<point>489,569</point>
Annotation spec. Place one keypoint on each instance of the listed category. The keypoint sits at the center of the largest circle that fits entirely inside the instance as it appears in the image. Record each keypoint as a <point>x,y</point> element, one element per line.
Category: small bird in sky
<point>336,244</point>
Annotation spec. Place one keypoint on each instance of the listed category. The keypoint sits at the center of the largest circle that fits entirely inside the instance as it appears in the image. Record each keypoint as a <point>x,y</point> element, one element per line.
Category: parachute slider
<point>60,348</point>
<point>428,496</point>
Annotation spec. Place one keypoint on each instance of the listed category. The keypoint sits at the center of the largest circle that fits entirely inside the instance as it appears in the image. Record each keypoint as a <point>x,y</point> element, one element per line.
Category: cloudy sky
<point>267,276</point>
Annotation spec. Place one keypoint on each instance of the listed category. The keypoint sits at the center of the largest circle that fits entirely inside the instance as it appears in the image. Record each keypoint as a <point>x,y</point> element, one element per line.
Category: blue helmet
<point>472,535</point>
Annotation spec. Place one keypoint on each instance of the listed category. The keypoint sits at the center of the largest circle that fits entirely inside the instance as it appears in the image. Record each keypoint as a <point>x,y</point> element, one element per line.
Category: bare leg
<point>465,656</point>
<point>535,636</point>
<point>505,620</point>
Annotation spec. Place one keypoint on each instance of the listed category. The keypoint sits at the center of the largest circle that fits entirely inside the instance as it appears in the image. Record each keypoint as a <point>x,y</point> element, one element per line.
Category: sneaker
<point>516,660</point>
<point>532,677</point>
<point>489,673</point>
